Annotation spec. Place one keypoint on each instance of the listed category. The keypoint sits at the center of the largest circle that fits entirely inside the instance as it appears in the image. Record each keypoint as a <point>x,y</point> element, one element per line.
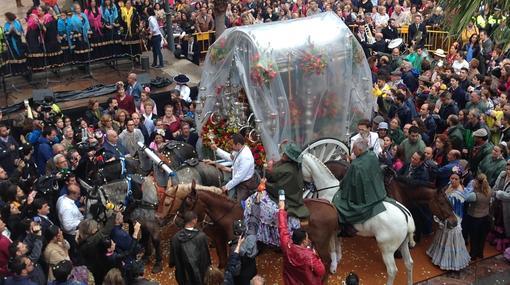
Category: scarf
<point>33,20</point>
<point>95,20</point>
<point>109,14</point>
<point>80,25</point>
<point>10,39</point>
<point>126,16</point>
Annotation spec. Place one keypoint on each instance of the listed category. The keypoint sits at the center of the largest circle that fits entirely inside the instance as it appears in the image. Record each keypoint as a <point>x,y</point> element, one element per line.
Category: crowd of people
<point>442,120</point>
<point>51,36</point>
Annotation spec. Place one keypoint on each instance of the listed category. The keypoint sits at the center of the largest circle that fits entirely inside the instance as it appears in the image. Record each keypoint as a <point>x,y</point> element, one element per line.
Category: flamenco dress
<point>98,41</point>
<point>448,249</point>
<point>111,31</point>
<point>35,44</point>
<point>130,35</point>
<point>54,53</point>
<point>13,50</point>
<point>64,33</point>
<point>80,29</point>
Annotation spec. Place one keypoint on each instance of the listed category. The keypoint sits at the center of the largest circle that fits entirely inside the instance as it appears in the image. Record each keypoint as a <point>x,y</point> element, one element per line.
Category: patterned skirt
<point>266,213</point>
<point>448,249</point>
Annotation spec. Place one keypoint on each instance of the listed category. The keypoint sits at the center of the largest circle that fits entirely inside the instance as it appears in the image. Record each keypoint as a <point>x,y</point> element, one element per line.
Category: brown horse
<point>401,191</point>
<point>217,210</point>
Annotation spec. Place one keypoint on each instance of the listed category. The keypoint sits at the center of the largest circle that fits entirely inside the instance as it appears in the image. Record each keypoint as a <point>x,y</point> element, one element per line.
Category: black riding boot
<point>347,230</point>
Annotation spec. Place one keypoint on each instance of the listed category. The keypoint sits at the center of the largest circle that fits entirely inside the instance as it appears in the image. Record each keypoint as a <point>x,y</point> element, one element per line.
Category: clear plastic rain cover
<point>300,80</point>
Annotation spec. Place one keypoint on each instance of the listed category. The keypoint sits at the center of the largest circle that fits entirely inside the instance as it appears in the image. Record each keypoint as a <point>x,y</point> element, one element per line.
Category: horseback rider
<point>286,175</point>
<point>243,182</point>
<point>362,189</point>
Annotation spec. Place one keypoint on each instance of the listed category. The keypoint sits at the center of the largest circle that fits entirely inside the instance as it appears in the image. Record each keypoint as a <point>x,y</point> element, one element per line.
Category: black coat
<point>390,33</point>
<point>413,31</point>
<point>7,156</point>
<point>189,253</point>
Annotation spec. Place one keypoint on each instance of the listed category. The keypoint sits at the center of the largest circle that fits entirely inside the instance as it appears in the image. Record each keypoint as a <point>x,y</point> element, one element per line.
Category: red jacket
<point>4,255</point>
<point>300,265</point>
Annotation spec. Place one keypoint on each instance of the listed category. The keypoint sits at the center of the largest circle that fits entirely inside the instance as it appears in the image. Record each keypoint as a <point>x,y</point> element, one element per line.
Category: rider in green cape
<point>362,189</point>
<point>286,175</point>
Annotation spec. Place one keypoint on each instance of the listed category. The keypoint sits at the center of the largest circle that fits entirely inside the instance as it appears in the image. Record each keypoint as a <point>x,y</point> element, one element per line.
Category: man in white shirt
<point>243,182</point>
<point>184,91</point>
<point>371,137</point>
<point>69,214</point>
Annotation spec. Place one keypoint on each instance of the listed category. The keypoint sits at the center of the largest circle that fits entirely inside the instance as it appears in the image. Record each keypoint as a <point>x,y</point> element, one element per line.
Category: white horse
<point>393,229</point>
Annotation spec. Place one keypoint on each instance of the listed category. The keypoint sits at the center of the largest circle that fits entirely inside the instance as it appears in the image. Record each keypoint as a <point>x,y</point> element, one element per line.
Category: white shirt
<point>458,65</point>
<point>373,142</point>
<point>242,167</point>
<point>154,26</point>
<point>184,92</point>
<point>68,214</point>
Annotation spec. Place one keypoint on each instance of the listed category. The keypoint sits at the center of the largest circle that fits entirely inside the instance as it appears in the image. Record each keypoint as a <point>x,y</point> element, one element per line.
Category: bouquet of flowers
<point>313,61</point>
<point>259,153</point>
<point>263,71</point>
<point>218,51</point>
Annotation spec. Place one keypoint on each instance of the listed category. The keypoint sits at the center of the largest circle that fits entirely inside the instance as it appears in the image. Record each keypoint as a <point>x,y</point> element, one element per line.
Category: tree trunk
<point>220,9</point>
<point>219,24</point>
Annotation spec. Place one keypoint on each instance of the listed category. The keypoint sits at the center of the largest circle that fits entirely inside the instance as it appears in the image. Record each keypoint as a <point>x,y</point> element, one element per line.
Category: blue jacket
<point>19,280</point>
<point>116,151</point>
<point>443,173</point>
<point>44,153</point>
<point>135,90</point>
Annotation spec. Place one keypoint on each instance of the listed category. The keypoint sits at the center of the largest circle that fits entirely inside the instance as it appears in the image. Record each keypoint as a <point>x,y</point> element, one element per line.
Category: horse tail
<point>411,227</point>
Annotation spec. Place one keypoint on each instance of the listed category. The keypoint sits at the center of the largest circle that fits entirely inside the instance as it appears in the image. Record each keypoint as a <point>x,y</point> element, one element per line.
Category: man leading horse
<point>362,189</point>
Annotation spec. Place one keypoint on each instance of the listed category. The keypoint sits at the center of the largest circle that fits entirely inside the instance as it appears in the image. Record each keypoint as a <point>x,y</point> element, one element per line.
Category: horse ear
<point>193,187</point>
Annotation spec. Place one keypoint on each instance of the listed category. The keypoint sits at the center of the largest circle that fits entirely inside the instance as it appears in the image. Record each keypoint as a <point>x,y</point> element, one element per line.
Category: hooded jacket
<point>190,255</point>
<point>301,265</point>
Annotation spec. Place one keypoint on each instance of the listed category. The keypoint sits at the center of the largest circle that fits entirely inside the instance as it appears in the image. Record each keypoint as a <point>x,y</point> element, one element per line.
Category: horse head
<point>442,208</point>
<point>313,169</point>
<point>388,173</point>
<point>173,202</point>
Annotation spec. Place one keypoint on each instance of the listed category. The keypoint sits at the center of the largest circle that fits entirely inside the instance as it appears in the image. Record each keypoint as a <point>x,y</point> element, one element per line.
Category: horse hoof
<point>157,268</point>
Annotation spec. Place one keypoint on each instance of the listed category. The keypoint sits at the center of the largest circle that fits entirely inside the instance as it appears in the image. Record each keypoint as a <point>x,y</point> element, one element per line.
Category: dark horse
<point>139,194</point>
<point>409,194</point>
<point>220,212</point>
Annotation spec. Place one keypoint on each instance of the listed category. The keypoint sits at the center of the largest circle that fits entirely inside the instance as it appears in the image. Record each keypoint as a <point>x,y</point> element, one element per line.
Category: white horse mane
<point>320,163</point>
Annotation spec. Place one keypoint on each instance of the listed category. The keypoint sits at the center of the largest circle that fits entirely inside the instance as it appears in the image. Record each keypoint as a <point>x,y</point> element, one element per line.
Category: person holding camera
<point>301,263</point>
<point>8,150</point>
<point>242,266</point>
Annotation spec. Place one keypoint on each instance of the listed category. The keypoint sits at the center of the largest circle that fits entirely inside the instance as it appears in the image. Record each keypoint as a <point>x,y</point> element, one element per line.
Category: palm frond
<point>460,12</point>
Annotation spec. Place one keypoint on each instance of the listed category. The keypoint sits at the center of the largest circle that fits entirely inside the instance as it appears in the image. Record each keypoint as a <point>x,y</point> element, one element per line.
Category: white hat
<point>439,52</point>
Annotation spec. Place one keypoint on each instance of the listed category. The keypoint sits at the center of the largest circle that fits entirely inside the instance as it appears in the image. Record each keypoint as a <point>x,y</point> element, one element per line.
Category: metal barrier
<point>204,40</point>
<point>435,38</point>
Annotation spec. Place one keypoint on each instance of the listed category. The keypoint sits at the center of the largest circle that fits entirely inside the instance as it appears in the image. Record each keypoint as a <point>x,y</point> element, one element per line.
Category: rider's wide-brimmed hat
<point>293,152</point>
<point>181,79</point>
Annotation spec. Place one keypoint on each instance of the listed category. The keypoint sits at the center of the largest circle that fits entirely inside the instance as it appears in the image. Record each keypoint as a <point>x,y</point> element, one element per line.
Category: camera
<point>24,150</point>
<point>239,228</point>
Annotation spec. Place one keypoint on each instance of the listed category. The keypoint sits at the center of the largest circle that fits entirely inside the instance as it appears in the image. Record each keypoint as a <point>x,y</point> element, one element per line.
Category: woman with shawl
<point>130,30</point>
<point>97,38</point>
<point>53,51</point>
<point>448,249</point>
<point>110,19</point>
<point>80,29</point>
<point>35,39</point>
<point>14,51</point>
<point>64,36</point>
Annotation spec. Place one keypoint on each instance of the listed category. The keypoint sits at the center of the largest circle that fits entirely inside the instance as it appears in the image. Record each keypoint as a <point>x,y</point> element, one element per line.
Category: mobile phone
<point>281,195</point>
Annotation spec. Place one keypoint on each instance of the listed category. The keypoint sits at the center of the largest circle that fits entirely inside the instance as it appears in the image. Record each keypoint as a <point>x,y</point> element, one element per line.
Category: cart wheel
<point>327,149</point>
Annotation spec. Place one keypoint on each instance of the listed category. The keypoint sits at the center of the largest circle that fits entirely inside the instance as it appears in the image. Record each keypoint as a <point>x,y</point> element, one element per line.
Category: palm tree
<point>463,11</point>
<point>220,8</point>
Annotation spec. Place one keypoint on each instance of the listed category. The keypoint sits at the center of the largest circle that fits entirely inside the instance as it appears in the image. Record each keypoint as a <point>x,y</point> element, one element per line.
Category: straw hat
<point>439,52</point>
